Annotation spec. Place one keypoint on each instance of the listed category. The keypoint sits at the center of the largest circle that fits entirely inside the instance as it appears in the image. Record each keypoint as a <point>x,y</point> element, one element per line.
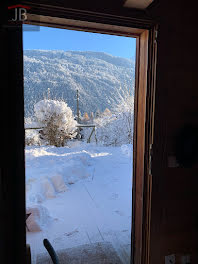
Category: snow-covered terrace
<point>93,206</point>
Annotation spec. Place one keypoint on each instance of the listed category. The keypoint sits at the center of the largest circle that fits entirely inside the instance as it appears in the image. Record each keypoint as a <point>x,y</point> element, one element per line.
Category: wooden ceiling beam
<point>139,4</point>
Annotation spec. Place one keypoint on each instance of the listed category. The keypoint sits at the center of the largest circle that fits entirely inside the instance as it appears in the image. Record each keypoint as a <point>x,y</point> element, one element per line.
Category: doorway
<point>79,119</point>
<point>146,67</point>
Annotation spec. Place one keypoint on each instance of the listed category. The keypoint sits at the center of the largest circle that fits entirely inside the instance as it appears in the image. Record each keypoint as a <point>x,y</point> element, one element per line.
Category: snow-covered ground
<point>83,192</point>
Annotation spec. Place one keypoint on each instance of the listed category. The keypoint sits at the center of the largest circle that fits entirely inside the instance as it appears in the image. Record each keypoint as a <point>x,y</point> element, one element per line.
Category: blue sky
<point>61,39</point>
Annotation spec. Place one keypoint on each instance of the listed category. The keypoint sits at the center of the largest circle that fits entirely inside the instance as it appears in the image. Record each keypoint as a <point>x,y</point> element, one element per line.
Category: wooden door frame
<point>143,142</point>
<point>144,31</point>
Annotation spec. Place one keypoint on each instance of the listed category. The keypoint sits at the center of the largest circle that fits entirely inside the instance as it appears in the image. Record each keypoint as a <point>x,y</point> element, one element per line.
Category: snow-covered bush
<point>117,129</point>
<point>32,138</point>
<point>57,119</point>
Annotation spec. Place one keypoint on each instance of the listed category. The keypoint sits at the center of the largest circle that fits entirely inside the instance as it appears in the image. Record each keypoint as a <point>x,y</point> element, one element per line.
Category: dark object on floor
<point>28,254</point>
<point>187,146</point>
<point>96,253</point>
<point>51,251</point>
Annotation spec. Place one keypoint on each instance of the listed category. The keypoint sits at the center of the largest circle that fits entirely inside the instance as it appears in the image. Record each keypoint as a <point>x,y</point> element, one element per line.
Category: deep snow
<point>95,205</point>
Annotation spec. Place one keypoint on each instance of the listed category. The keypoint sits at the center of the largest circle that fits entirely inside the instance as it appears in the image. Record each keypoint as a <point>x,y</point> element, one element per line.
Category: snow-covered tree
<point>117,129</point>
<point>91,117</point>
<point>57,119</point>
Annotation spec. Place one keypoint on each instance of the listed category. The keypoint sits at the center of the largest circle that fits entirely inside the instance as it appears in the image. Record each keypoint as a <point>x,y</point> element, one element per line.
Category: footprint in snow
<point>71,233</point>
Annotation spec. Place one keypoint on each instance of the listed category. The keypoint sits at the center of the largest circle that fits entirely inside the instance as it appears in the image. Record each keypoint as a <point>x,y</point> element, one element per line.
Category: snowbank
<point>86,191</point>
<point>38,218</point>
<point>50,170</point>
<point>79,195</point>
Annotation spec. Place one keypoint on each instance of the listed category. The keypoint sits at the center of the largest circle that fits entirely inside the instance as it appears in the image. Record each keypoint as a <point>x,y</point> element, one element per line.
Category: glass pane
<point>79,100</point>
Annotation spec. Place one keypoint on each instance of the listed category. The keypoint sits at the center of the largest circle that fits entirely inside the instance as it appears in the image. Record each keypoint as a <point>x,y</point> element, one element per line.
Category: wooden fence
<point>93,131</point>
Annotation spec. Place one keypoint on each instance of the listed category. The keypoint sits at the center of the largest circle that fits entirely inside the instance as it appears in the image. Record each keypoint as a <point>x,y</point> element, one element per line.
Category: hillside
<point>101,78</point>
